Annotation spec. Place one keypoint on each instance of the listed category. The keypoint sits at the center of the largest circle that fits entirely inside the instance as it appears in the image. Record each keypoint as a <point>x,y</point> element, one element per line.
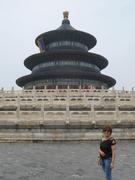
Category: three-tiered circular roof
<point>51,64</point>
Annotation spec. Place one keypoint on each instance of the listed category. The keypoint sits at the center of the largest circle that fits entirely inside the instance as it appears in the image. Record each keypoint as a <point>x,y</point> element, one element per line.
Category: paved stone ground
<point>62,161</point>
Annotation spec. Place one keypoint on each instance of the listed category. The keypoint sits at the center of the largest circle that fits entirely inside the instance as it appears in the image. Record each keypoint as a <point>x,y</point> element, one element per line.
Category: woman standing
<point>107,152</point>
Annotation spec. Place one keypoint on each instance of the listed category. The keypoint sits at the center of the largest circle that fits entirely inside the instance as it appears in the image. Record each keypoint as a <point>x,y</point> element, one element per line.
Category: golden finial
<point>65,14</point>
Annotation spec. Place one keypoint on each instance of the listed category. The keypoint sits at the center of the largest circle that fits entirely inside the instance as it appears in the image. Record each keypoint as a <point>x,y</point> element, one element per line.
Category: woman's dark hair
<point>107,128</point>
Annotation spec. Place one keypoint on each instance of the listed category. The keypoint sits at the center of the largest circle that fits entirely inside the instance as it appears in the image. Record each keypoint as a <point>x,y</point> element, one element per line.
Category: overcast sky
<point>112,22</point>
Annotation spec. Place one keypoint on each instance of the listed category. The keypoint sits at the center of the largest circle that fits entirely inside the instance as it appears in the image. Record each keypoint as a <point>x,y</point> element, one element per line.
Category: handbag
<point>99,161</point>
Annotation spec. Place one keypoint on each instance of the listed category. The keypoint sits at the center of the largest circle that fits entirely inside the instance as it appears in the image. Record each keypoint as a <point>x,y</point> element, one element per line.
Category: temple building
<point>66,97</point>
<point>64,61</point>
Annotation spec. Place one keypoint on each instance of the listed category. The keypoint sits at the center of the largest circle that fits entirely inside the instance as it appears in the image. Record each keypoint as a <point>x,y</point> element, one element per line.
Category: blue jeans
<point>106,165</point>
